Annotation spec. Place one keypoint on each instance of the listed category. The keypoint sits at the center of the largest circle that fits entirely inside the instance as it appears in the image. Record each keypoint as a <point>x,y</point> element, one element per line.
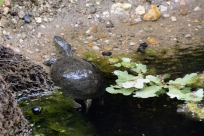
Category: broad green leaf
<point>154,79</point>
<point>118,65</point>
<point>140,68</point>
<point>124,91</point>
<point>126,59</point>
<point>125,64</point>
<point>186,90</point>
<point>123,76</point>
<point>113,60</point>
<point>147,92</point>
<point>166,76</point>
<point>139,83</point>
<point>183,81</point>
<point>191,96</point>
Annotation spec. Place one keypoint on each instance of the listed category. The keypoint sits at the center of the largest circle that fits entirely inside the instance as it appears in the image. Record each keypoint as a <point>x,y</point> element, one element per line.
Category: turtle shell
<point>78,78</point>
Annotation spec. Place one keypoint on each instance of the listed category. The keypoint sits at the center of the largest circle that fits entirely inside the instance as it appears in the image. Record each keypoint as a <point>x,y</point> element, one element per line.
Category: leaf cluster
<point>142,85</point>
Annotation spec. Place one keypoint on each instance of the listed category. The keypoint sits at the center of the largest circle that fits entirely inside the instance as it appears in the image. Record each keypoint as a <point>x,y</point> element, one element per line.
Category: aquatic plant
<point>141,85</point>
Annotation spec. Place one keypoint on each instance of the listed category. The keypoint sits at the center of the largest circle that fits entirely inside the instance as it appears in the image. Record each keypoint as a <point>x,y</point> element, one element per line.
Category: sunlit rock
<point>140,10</point>
<point>121,8</point>
<point>152,14</point>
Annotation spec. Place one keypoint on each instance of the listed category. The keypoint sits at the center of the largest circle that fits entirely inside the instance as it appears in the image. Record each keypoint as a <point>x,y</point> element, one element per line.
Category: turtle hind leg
<point>88,102</point>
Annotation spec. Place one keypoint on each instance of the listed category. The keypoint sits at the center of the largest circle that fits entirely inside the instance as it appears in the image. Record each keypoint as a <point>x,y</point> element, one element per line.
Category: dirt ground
<point>86,29</point>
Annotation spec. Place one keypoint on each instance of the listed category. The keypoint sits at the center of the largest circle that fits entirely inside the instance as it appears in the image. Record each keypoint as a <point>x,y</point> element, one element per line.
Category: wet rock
<point>152,14</point>
<point>142,47</point>
<point>140,10</point>
<point>121,8</point>
<point>106,53</point>
<point>36,110</point>
<point>27,19</point>
<point>109,24</point>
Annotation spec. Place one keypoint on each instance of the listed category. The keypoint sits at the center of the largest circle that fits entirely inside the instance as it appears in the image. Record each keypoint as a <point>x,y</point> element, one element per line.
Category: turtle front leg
<point>88,104</point>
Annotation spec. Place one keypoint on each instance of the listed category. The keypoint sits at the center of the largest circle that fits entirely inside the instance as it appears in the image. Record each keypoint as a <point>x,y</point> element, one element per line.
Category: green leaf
<point>183,81</point>
<point>154,79</point>
<point>126,59</point>
<point>166,76</point>
<point>124,91</point>
<point>139,83</point>
<point>186,90</point>
<point>147,92</point>
<point>125,64</point>
<point>123,76</point>
<point>140,68</point>
<point>191,96</point>
<point>113,60</point>
<point>118,65</point>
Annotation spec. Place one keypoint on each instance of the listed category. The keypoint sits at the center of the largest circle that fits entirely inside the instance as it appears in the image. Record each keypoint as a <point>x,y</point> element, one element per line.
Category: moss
<point>57,118</point>
<point>151,52</point>
<point>199,111</point>
<point>197,82</point>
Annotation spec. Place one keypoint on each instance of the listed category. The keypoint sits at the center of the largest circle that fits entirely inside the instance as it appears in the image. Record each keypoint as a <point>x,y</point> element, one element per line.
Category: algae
<point>57,118</point>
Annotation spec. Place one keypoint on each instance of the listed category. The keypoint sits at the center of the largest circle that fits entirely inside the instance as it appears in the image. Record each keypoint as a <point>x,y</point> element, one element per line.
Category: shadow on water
<point>128,116</point>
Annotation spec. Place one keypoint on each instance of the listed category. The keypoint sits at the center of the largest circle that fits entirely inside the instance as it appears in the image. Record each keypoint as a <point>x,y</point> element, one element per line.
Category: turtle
<point>77,77</point>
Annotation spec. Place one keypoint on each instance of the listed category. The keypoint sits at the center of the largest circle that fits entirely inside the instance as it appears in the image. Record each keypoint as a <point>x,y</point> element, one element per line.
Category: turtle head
<point>63,47</point>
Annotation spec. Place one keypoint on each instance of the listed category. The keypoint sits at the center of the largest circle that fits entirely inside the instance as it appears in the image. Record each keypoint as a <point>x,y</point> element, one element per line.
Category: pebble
<point>14,21</point>
<point>132,43</point>
<point>140,10</point>
<point>21,14</point>
<point>38,20</point>
<point>197,8</point>
<point>5,10</point>
<point>109,24</point>
<point>94,30</point>
<point>183,13</point>
<point>152,14</point>
<point>121,8</point>
<point>7,3</point>
<point>152,41</point>
<point>107,47</point>
<point>36,110</point>
<point>106,53</point>
<point>26,17</point>
<point>173,19</point>
<point>96,48</point>
<point>103,35</point>
<point>90,44</point>
<point>92,9</point>
<point>162,8</point>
